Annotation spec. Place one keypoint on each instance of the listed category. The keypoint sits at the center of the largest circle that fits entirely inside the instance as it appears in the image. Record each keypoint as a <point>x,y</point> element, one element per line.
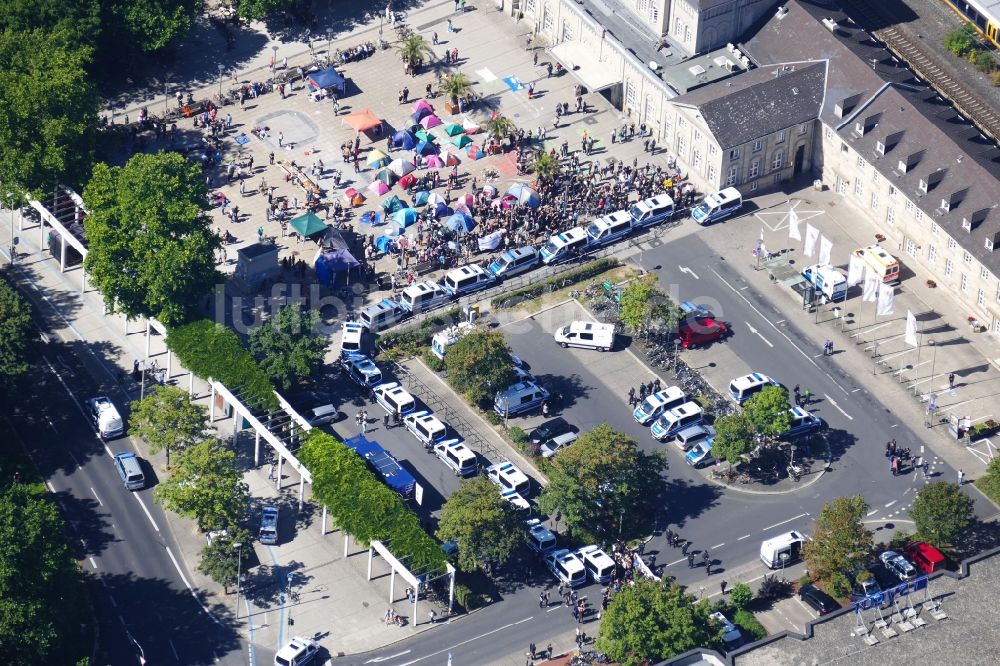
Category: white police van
<point>652,210</point>
<point>467,279</point>
<point>394,399</point>
<point>449,336</point>
<point>657,403</point>
<point>609,228</point>
<point>743,388</point>
<point>672,422</point>
<point>801,422</point>
<point>516,500</point>
<point>350,341</point>
<point>717,206</point>
<point>426,427</point>
<point>518,398</point>
<point>567,567</point>
<point>422,296</point>
<point>361,369</point>
<point>456,455</point>
<point>586,335</point>
<point>512,262</point>
<point>507,476</point>
<point>564,246</point>
<point>540,538</point>
<point>598,564</point>
<point>384,313</point>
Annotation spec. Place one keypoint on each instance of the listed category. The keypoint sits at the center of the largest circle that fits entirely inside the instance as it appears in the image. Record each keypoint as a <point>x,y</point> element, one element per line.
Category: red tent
<point>363,120</point>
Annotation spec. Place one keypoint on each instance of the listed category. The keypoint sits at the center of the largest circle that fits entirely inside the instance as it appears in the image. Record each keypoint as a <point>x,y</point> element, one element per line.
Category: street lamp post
<point>239,570</point>
<point>329,38</point>
<point>677,351</point>
<point>288,592</point>
<point>221,70</point>
<point>933,361</point>
<point>274,60</point>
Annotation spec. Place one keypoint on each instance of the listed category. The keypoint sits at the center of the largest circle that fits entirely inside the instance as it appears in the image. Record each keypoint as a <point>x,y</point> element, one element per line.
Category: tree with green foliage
<point>740,595</point>
<point>499,126</point>
<point>18,336</point>
<point>456,86</point>
<point>48,111</point>
<point>152,248</point>
<point>840,543</point>
<point>168,421</point>
<point>289,346</point>
<point>206,485</point>
<point>767,410</point>
<point>941,511</point>
<point>648,622</point>
<point>413,50</point>
<point>733,438</point>
<point>642,304</point>
<point>258,10</point>
<point>37,577</point>
<point>989,482</point>
<point>78,21</point>
<point>485,526</point>
<point>150,25</point>
<point>545,166</point>
<point>220,559</point>
<point>479,364</point>
<point>605,486</point>
<point>962,41</point>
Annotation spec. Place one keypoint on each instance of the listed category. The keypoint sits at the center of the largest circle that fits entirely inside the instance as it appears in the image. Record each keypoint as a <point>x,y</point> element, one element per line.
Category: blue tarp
<point>384,465</point>
<point>327,78</point>
<point>383,243</point>
<point>461,223</point>
<point>404,139</point>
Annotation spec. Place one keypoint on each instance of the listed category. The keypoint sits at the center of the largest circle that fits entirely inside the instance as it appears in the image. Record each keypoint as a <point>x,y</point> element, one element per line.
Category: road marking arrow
<point>834,403</point>
<point>757,333</point>
<point>377,660</point>
<point>685,269</point>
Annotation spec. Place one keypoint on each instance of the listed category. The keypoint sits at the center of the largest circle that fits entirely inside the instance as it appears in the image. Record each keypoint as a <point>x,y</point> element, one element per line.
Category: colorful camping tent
<point>461,140</point>
<point>421,104</point>
<point>327,78</point>
<point>404,217</point>
<point>376,159</point>
<point>430,121</point>
<point>308,225</point>
<point>362,121</point>
<point>404,139</point>
<point>453,129</point>
<point>461,222</point>
<point>401,167</point>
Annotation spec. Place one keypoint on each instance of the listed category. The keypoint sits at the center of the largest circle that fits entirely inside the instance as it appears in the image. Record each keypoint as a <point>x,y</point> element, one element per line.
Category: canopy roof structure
<point>363,120</point>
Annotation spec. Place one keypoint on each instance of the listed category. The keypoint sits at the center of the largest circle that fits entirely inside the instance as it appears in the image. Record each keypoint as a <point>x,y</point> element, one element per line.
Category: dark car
<point>550,429</point>
<point>817,599</point>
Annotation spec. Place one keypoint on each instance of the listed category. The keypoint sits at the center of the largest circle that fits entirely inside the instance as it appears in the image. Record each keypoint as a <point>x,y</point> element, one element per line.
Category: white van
<point>467,279</point>
<point>519,398</point>
<point>129,470</point>
<point>516,500</point>
<point>609,228</point>
<point>567,567</point>
<point>449,336</point>
<point>394,399</point>
<point>717,206</point>
<point>456,455</point>
<point>675,420</point>
<point>106,418</point>
<point>299,651</point>
<point>598,564</point>
<point>783,549</point>
<point>512,262</point>
<point>540,538</point>
<point>350,341</point>
<point>652,210</point>
<point>742,388</point>
<point>422,296</point>
<point>361,369</point>
<point>587,335</point>
<point>384,313</point>
<point>730,633</point>
<point>654,405</point>
<point>426,427</point>
<point>564,246</point>
<point>507,476</point>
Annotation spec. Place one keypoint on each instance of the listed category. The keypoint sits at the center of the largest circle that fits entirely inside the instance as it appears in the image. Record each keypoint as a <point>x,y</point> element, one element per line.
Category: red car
<point>695,331</point>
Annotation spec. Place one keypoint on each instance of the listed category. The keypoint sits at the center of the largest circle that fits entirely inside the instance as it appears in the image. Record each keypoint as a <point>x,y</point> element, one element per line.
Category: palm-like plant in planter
<point>499,126</point>
<point>456,86</point>
<point>545,166</point>
<point>412,50</point>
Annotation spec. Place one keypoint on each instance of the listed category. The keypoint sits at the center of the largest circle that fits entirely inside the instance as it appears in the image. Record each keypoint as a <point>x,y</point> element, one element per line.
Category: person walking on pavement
<point>722,587</point>
<point>798,395</point>
<point>951,381</point>
<point>670,538</point>
<point>541,600</point>
<point>631,396</point>
<point>385,421</point>
<point>531,650</point>
<point>961,477</point>
<point>690,560</point>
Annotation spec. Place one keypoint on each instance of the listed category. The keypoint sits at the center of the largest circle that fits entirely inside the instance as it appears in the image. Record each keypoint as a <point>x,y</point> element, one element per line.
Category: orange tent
<point>363,120</point>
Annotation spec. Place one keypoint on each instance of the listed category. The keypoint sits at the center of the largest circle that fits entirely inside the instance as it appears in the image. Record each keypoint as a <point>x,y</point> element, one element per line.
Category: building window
<point>859,189</point>
<point>734,173</point>
<point>781,137</point>
<point>643,6</point>
<point>757,145</point>
<point>952,244</point>
<point>874,200</point>
<point>935,228</point>
<point>696,137</point>
<point>843,148</point>
<point>779,160</point>
<point>918,216</point>
<point>861,162</point>
<point>911,248</point>
<point>981,298</point>
<point>984,273</point>
<point>712,150</point>
<point>949,267</point>
<point>875,177</point>
<point>803,128</point>
<point>711,173</point>
<point>890,216</point>
<point>754,169</point>
<point>548,21</point>
<point>654,14</point>
<point>932,253</point>
<point>567,31</point>
<point>892,191</point>
<point>529,6</point>
<point>841,186</point>
<point>695,158</point>
<point>753,188</point>
<point>967,259</point>
<point>909,206</point>
<point>680,145</point>
<point>963,283</point>
<point>996,326</point>
<point>681,123</point>
<point>650,111</point>
<point>629,94</point>
<point>734,154</point>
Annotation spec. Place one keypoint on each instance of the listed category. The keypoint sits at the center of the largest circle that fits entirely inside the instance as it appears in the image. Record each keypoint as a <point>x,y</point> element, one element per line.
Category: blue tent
<point>383,243</point>
<point>442,210</point>
<point>392,204</point>
<point>426,148</point>
<point>420,114</point>
<point>421,198</point>
<point>332,262</point>
<point>328,78</point>
<point>461,223</point>
<point>404,139</point>
<point>405,217</point>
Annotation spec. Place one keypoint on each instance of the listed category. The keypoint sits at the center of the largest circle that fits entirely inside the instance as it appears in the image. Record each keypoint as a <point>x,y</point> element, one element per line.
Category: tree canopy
<point>150,25</point>
<point>767,410</point>
<point>206,485</point>
<point>646,623</point>
<point>485,526</point>
<point>479,365</point>
<point>17,335</point>
<point>48,111</point>
<point>220,558</point>
<point>167,420</point>
<point>289,346</point>
<point>602,481</point>
<point>941,512</point>
<point>733,437</point>
<point>642,304</point>
<point>152,249</point>
<point>840,542</point>
<point>258,10</point>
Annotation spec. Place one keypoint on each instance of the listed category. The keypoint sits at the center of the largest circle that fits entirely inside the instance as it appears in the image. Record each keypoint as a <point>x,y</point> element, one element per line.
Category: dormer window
<point>880,147</point>
<point>967,224</point>
<point>922,186</point>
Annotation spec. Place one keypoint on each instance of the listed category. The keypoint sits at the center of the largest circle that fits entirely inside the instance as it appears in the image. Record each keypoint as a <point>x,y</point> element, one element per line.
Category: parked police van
<point>675,420</point>
<point>129,470</point>
<point>654,405</point>
<point>456,455</point>
<point>426,427</point>
<point>598,564</point>
<point>652,210</point>
<point>467,279</point>
<point>587,335</point>
<point>717,206</point>
<point>422,296</point>
<point>783,549</point>
<point>742,388</point>
<point>394,399</point>
<point>609,228</point>
<point>519,398</point>
<point>540,538</point>
<point>512,262</point>
<point>350,341</point>
<point>449,336</point>
<point>384,313</point>
<point>362,370</point>
<point>507,476</point>
<point>564,246</point>
<point>567,567</point>
<point>516,500</point>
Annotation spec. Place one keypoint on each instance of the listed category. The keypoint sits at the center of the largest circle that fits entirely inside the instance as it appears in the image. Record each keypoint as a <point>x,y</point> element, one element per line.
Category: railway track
<point>923,61</point>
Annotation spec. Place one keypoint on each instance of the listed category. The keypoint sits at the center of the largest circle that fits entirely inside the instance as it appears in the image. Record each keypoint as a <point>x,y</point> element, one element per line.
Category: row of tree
<point>765,413</point>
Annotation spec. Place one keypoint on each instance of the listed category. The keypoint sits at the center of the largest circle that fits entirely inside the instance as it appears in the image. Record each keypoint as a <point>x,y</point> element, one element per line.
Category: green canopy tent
<point>308,225</point>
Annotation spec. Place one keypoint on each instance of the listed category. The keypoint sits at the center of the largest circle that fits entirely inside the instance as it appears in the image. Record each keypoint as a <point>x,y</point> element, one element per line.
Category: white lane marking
<point>457,645</point>
<point>856,390</point>
<point>683,559</point>
<point>719,545</point>
<point>173,649</point>
<point>92,563</point>
<point>148,514</point>
<point>78,466</point>
<point>757,333</point>
<point>834,403</point>
<point>780,321</point>
<point>179,572</point>
<point>872,512</point>
<point>95,495</point>
<point>745,536</point>
<point>524,620</point>
<point>685,269</point>
<point>112,600</point>
<point>555,608</point>
<point>49,486</point>
<point>110,455</point>
<point>381,659</point>
<point>890,503</point>
<point>801,515</point>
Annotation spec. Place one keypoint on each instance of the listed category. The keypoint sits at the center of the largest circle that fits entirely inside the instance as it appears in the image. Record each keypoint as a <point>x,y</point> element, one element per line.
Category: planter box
<point>451,108</point>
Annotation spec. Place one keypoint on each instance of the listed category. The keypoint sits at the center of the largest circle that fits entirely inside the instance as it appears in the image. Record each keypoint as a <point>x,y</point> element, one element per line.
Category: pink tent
<point>450,159</point>
<point>467,200</point>
<point>349,193</point>
<point>378,187</point>
<point>430,121</point>
<point>422,104</point>
<point>434,162</point>
<point>460,206</point>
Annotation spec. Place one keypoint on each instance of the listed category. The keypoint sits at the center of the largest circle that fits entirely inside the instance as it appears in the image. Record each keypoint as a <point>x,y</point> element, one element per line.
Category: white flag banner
<point>855,270</point>
<point>811,235</point>
<point>870,291</point>
<point>825,248</point>
<point>793,226</point>
<point>911,330</point>
<point>886,294</point>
